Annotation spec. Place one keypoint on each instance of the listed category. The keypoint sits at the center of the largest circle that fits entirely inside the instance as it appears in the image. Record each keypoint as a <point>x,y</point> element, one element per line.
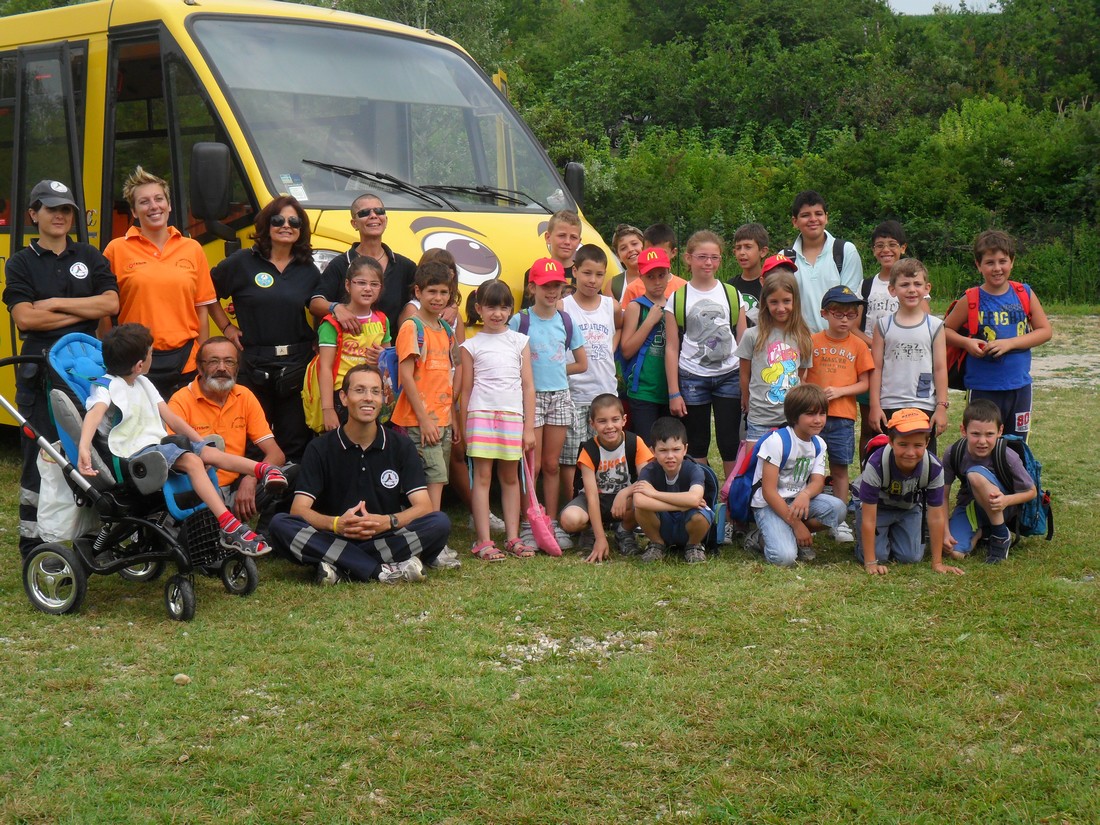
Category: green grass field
<point>549,691</point>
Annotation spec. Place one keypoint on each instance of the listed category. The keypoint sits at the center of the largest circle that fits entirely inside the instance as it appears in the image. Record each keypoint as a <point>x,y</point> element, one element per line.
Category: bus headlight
<point>321,257</point>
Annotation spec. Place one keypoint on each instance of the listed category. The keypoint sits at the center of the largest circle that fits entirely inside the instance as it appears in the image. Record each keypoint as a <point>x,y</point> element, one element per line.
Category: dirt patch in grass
<point>1072,356</point>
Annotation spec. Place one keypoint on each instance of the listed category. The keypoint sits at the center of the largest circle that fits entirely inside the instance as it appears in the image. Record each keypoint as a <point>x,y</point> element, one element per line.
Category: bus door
<point>42,92</point>
<point>158,110</point>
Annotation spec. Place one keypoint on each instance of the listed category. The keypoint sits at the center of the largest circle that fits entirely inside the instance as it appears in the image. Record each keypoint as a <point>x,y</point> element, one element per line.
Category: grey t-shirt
<point>774,370</point>
<point>907,363</point>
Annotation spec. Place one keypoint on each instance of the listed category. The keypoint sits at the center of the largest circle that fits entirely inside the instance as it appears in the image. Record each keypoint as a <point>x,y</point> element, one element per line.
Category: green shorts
<point>437,458</point>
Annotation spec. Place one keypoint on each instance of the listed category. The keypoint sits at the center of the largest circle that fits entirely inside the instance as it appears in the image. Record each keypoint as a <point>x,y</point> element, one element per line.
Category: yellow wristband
<point>335,524</point>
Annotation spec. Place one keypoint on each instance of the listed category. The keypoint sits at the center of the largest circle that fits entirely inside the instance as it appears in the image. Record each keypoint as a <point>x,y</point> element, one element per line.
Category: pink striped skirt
<point>492,434</point>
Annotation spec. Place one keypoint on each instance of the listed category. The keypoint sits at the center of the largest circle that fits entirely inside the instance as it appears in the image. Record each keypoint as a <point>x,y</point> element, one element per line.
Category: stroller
<point>148,517</point>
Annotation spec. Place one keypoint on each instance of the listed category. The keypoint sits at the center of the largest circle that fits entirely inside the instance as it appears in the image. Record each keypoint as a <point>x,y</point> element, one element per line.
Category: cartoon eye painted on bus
<point>476,262</point>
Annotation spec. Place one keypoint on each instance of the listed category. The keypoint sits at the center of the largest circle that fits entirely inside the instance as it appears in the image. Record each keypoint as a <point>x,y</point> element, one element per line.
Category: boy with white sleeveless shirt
<point>599,318</point>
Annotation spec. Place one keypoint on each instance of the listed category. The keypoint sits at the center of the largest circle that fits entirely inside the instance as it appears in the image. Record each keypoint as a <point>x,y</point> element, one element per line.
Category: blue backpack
<point>632,367</point>
<point>742,488</point>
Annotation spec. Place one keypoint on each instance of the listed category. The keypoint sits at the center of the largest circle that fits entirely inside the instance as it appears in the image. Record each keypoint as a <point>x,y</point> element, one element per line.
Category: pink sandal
<point>518,548</point>
<point>487,551</point>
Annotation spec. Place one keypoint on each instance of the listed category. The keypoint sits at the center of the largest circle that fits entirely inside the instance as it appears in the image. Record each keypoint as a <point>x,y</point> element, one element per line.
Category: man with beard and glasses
<point>214,404</point>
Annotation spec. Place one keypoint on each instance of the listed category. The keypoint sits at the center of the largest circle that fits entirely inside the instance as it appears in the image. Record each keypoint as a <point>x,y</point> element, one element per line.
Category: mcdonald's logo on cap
<point>546,271</point>
<point>653,258</point>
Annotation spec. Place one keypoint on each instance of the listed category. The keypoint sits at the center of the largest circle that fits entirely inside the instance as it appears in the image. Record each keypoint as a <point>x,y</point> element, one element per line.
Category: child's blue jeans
<point>897,535</point>
<point>780,545</point>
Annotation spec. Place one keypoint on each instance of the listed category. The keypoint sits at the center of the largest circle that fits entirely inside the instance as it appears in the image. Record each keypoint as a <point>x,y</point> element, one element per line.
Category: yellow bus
<point>258,98</point>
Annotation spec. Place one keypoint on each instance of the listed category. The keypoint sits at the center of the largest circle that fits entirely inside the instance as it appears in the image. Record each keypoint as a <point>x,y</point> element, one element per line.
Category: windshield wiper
<point>510,195</point>
<point>385,179</point>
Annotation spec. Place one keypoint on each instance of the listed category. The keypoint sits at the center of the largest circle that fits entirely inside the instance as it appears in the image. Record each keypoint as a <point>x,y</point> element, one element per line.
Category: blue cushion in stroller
<point>76,364</point>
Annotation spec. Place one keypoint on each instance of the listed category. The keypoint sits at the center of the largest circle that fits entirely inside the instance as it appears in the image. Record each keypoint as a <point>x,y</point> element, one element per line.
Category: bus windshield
<point>331,111</point>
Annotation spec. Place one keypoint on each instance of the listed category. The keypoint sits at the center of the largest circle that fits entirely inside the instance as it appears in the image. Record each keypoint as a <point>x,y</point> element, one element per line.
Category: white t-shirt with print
<point>707,342</point>
<point>795,474</point>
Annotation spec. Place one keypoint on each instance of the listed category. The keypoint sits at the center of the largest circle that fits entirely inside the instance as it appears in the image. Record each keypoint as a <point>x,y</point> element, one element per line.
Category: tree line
<point>712,113</point>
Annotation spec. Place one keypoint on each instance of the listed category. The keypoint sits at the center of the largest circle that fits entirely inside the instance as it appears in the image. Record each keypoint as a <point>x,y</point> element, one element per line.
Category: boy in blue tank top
<point>1010,322</point>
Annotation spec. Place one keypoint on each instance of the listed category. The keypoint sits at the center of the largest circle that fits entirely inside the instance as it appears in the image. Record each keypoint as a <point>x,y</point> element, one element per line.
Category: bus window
<point>7,137</point>
<point>148,132</point>
<point>375,102</point>
<point>195,123</point>
<point>140,126</point>
<point>45,124</point>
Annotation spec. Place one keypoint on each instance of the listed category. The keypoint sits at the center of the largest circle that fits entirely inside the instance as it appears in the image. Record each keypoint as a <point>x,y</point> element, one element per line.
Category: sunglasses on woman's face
<point>294,221</point>
<point>371,210</point>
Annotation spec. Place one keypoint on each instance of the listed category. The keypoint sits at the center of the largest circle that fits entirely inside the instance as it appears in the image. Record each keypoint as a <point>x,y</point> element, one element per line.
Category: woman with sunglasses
<point>270,286</point>
<point>163,282</point>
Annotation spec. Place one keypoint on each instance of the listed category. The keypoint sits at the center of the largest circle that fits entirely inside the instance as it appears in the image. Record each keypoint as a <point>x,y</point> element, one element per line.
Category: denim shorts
<point>754,432</point>
<point>839,436</point>
<point>172,452</point>
<point>674,524</point>
<point>701,389</point>
<point>965,522</point>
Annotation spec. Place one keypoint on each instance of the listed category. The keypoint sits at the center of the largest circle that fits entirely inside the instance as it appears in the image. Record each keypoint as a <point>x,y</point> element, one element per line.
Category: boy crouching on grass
<point>670,502</point>
<point>984,505</point>
<point>788,503</point>
<point>604,494</point>
<point>896,478</point>
<point>137,418</point>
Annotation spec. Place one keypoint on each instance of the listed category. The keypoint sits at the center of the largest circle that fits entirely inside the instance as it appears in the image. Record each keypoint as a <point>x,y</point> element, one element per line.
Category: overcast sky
<point>926,6</point>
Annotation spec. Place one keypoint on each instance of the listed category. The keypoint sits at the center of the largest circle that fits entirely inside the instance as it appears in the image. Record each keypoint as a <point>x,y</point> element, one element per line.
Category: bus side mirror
<point>574,181</point>
<point>210,181</point>
<point>210,170</point>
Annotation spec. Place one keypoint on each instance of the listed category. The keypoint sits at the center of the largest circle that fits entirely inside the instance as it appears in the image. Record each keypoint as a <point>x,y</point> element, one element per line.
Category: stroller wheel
<point>179,598</point>
<point>239,575</point>
<point>54,579</point>
<point>146,572</point>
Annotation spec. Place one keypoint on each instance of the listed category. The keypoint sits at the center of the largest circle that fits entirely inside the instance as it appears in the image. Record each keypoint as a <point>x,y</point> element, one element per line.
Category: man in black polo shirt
<point>53,287</point>
<point>368,216</point>
<point>361,509</point>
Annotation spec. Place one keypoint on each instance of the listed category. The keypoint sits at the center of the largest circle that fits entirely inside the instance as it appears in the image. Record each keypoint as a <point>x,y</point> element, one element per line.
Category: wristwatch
<point>393,522</point>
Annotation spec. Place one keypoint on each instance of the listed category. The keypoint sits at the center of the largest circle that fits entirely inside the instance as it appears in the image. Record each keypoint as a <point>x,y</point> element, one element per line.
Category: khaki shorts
<point>436,459</point>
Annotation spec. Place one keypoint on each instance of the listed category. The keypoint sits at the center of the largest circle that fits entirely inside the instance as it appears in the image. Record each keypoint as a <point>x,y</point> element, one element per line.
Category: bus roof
<point>85,19</point>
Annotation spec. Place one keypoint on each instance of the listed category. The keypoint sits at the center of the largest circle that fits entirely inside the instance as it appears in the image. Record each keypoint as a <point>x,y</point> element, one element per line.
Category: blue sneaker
<point>998,549</point>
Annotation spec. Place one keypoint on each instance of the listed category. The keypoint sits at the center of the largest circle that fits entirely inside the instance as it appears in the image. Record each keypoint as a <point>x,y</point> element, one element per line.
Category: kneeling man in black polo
<point>361,509</point>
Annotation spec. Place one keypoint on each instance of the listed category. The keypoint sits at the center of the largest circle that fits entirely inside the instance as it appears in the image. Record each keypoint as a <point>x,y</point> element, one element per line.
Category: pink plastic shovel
<point>536,514</point>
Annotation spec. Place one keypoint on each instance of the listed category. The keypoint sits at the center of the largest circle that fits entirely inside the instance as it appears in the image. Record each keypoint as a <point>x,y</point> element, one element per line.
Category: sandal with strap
<point>519,548</point>
<point>487,551</point>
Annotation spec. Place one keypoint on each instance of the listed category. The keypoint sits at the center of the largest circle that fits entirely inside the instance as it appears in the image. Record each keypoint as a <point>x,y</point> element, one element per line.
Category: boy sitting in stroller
<point>137,416</point>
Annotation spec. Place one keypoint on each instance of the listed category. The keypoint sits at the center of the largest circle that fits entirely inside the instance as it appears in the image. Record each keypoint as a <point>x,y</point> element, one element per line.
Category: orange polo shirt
<point>161,288</point>
<point>240,420</point>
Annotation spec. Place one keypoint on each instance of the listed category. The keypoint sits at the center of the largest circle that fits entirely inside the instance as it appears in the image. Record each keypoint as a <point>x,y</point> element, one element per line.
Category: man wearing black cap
<point>53,287</point>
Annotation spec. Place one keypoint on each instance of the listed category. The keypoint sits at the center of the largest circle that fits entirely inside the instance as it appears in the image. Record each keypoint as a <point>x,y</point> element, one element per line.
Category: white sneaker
<point>727,532</point>
<point>496,523</point>
<point>410,570</point>
<point>327,575</point>
<point>753,540</point>
<point>843,533</point>
<point>527,535</point>
<point>446,560</point>
<point>565,541</point>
